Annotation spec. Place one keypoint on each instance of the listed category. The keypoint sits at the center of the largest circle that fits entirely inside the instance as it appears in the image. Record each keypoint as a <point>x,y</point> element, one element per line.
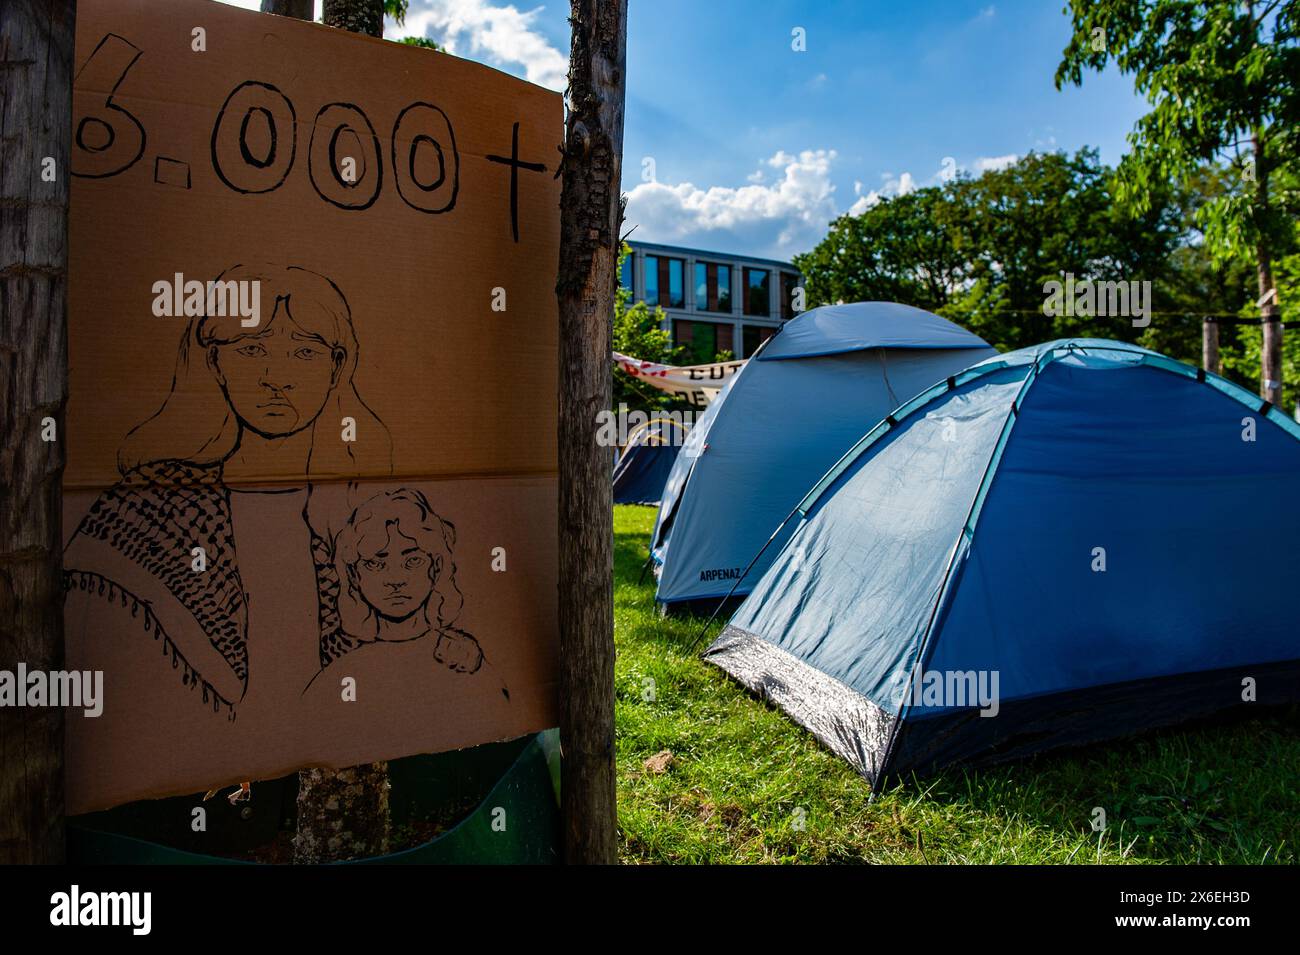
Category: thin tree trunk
<point>36,54</point>
<point>343,814</point>
<point>591,214</point>
<point>1271,351</point>
<point>1210,346</point>
<point>298,9</point>
<point>356,16</point>
<point>1270,386</point>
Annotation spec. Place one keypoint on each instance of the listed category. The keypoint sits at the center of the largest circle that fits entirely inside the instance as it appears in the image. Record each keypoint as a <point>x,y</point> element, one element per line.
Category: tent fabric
<point>838,329</point>
<point>643,468</point>
<point>1082,525</point>
<point>779,425</point>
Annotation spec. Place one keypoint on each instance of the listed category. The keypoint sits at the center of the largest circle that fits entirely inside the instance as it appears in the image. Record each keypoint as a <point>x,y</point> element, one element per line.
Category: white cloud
<point>864,200</point>
<point>786,208</point>
<point>863,203</point>
<point>904,183</point>
<point>788,215</point>
<point>498,33</point>
<point>987,163</point>
<point>891,186</point>
<point>900,186</point>
<point>502,34</point>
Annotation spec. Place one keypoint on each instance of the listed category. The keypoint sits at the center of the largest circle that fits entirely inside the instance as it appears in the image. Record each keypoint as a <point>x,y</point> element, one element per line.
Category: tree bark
<point>591,214</point>
<point>1210,346</point>
<point>343,814</point>
<point>298,9</point>
<point>36,59</point>
<point>1270,385</point>
<point>356,16</point>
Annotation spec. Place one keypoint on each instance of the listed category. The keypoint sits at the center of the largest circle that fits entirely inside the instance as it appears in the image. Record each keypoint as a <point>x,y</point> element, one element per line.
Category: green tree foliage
<point>1198,284</point>
<point>422,42</point>
<point>1044,217</point>
<point>1217,74</point>
<point>638,334</point>
<point>899,250</point>
<point>979,250</point>
<point>1241,361</point>
<point>1223,80</point>
<point>397,9</point>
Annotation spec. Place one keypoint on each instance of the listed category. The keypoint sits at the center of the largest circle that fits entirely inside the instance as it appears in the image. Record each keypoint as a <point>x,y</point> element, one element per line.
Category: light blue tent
<point>789,414</point>
<point>1062,544</point>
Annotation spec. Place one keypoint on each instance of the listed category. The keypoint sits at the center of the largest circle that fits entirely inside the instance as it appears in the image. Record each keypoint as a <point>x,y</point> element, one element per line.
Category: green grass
<point>746,784</point>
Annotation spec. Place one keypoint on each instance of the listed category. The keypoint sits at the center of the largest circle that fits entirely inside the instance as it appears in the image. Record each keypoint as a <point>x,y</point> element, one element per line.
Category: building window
<point>625,272</point>
<point>702,342</point>
<point>651,268</point>
<point>757,301</point>
<point>665,281</point>
<point>726,342</point>
<point>683,333</point>
<point>676,283</point>
<point>755,335</point>
<point>789,282</point>
<point>712,287</point>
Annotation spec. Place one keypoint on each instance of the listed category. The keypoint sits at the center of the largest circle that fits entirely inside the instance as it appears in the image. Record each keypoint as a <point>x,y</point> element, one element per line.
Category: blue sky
<point>756,147</point>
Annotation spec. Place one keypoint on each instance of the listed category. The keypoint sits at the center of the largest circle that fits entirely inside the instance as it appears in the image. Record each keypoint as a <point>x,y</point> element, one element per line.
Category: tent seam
<point>967,529</point>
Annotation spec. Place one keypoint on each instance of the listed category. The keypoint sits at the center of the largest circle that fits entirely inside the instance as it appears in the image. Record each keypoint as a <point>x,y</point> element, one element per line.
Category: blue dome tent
<point>642,470</point>
<point>1060,545</point>
<point>776,427</point>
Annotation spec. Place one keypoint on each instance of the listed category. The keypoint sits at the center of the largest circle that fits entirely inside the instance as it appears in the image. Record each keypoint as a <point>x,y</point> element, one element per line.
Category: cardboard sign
<point>310,517</point>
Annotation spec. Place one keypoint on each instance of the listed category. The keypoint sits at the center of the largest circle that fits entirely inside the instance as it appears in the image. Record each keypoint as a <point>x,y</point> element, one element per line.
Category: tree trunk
<point>1210,346</point>
<point>1270,386</point>
<point>356,16</point>
<point>298,9</point>
<point>343,814</point>
<point>1271,350</point>
<point>36,59</point>
<point>591,214</point>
